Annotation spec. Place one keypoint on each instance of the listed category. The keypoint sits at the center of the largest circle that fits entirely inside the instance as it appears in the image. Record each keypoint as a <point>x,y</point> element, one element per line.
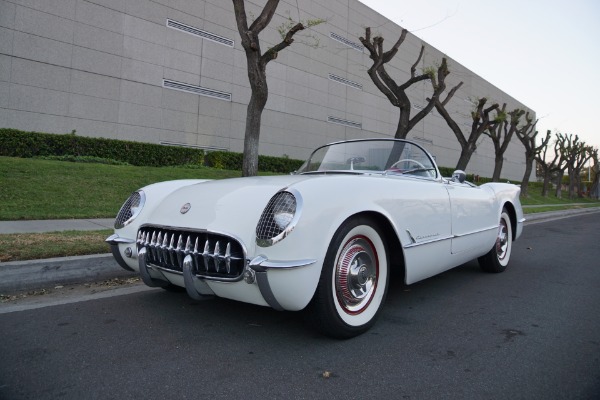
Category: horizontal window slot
<point>199,32</point>
<point>199,90</point>
<point>345,81</point>
<point>345,122</point>
<point>347,42</point>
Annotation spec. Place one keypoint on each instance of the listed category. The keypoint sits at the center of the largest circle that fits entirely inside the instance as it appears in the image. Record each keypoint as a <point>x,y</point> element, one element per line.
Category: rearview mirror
<point>459,176</point>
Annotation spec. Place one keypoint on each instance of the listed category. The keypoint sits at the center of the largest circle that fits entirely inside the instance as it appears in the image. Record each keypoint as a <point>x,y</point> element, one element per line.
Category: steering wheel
<point>399,162</point>
<point>420,168</point>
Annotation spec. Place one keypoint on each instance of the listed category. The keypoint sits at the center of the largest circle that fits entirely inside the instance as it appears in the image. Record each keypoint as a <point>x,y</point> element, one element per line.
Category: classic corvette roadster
<point>323,239</point>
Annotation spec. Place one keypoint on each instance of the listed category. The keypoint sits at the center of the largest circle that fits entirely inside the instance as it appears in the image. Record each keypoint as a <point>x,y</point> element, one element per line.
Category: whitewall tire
<point>496,260</point>
<point>353,282</point>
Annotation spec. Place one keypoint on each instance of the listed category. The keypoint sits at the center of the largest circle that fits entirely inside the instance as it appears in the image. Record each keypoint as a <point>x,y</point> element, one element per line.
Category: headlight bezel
<point>271,230</point>
<point>131,209</point>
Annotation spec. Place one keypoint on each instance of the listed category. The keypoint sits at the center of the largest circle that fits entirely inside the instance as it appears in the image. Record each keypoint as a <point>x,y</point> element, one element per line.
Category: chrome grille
<point>215,256</point>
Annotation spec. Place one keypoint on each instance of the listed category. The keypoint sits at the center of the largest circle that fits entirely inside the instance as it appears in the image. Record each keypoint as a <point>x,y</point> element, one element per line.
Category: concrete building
<point>174,72</point>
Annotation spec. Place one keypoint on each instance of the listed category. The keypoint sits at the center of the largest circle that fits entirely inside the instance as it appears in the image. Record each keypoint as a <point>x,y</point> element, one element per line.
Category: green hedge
<point>228,160</point>
<point>15,143</point>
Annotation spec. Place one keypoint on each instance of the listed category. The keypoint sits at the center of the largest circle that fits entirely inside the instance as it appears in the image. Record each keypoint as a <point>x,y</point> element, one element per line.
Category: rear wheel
<point>496,260</point>
<point>353,281</point>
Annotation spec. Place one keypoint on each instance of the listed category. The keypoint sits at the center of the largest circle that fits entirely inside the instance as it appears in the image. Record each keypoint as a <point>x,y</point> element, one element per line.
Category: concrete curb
<point>555,215</point>
<point>36,274</point>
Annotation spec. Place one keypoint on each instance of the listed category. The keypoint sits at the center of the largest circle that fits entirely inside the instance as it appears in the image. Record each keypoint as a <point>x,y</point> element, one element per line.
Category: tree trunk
<point>559,184</point>
<point>525,180</point>
<point>499,160</point>
<point>595,190</point>
<point>547,176</point>
<point>251,139</point>
<point>403,121</point>
<point>260,92</point>
<point>465,157</point>
<point>572,183</point>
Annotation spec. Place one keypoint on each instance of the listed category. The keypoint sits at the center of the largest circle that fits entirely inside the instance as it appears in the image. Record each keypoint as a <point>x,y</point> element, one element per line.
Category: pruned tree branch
<point>395,93</point>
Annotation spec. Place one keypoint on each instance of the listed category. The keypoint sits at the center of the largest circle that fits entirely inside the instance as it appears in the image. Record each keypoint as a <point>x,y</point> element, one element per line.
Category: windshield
<point>374,156</point>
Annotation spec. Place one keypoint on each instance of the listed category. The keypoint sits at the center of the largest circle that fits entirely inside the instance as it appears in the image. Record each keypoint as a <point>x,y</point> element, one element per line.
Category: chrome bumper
<point>257,271</point>
<point>197,288</point>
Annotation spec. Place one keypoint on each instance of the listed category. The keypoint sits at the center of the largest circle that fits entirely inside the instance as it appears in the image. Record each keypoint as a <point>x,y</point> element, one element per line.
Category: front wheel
<point>353,281</point>
<point>496,260</point>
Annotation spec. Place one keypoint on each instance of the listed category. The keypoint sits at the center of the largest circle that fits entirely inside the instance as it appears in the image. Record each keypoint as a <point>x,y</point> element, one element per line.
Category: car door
<point>474,217</point>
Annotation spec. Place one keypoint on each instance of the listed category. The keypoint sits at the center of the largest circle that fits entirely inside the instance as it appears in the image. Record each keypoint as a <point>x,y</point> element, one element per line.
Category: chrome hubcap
<point>356,274</point>
<point>502,240</point>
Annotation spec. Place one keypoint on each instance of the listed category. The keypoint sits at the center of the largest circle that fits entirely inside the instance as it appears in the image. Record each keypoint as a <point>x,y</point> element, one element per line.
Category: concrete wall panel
<point>98,66</point>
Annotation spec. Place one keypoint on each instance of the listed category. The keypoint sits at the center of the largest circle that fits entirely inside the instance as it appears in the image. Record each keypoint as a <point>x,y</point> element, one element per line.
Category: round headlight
<point>278,218</point>
<point>130,209</point>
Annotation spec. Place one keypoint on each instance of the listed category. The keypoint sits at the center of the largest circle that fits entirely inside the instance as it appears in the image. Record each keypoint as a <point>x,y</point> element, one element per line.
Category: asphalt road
<point>532,332</point>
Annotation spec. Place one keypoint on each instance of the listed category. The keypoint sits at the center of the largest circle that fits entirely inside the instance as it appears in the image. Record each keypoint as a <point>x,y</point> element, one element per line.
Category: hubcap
<point>502,240</point>
<point>356,275</point>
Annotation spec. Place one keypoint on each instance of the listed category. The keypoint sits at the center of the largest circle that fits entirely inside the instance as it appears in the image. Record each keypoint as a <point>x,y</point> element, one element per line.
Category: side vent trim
<point>199,32</point>
<point>199,90</point>
<point>345,81</point>
<point>345,122</point>
<point>347,42</point>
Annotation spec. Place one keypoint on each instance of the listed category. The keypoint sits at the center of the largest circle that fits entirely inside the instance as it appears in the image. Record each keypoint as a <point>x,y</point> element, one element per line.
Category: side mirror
<point>355,160</point>
<point>459,176</point>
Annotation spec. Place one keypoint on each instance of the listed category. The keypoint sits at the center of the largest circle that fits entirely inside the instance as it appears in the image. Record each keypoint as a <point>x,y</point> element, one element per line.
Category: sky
<point>544,53</point>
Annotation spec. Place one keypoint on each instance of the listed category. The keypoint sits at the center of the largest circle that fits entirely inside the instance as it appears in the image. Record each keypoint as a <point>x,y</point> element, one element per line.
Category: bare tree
<point>257,64</point>
<point>595,185</point>
<point>551,168</point>
<point>395,93</point>
<point>528,138</point>
<point>481,123</point>
<point>568,148</point>
<point>501,134</point>
<point>583,154</point>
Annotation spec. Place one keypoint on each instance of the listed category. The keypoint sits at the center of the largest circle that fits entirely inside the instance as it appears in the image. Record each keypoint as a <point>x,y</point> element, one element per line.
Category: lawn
<point>43,189</point>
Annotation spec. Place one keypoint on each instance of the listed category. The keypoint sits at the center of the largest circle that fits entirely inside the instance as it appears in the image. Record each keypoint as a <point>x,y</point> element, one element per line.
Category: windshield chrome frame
<point>438,176</point>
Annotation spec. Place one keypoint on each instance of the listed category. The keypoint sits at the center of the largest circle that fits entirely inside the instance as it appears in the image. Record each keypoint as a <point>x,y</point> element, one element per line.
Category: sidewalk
<point>35,274</point>
<point>54,225</point>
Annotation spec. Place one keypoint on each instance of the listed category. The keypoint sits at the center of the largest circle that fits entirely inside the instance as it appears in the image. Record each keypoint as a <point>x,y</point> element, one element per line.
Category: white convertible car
<point>323,239</point>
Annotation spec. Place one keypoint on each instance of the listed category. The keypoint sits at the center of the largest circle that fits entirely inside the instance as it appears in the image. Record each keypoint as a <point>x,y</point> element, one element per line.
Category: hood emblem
<point>185,208</point>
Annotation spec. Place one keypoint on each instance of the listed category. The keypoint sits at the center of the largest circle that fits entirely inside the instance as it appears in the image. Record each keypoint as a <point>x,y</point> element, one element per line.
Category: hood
<point>229,206</point>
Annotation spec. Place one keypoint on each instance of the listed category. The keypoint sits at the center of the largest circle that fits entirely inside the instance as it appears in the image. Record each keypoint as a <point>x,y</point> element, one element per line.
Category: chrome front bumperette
<point>256,271</point>
<point>196,288</point>
<point>114,241</point>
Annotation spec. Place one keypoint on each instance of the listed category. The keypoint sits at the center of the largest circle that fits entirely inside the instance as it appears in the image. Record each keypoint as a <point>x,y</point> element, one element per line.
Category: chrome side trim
<point>438,239</point>
<point>145,274</point>
<point>115,239</point>
<point>493,228</point>
<point>412,239</point>
<point>261,264</point>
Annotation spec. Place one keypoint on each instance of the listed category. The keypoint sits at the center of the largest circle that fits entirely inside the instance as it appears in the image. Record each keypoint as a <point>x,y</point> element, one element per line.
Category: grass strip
<point>33,246</point>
